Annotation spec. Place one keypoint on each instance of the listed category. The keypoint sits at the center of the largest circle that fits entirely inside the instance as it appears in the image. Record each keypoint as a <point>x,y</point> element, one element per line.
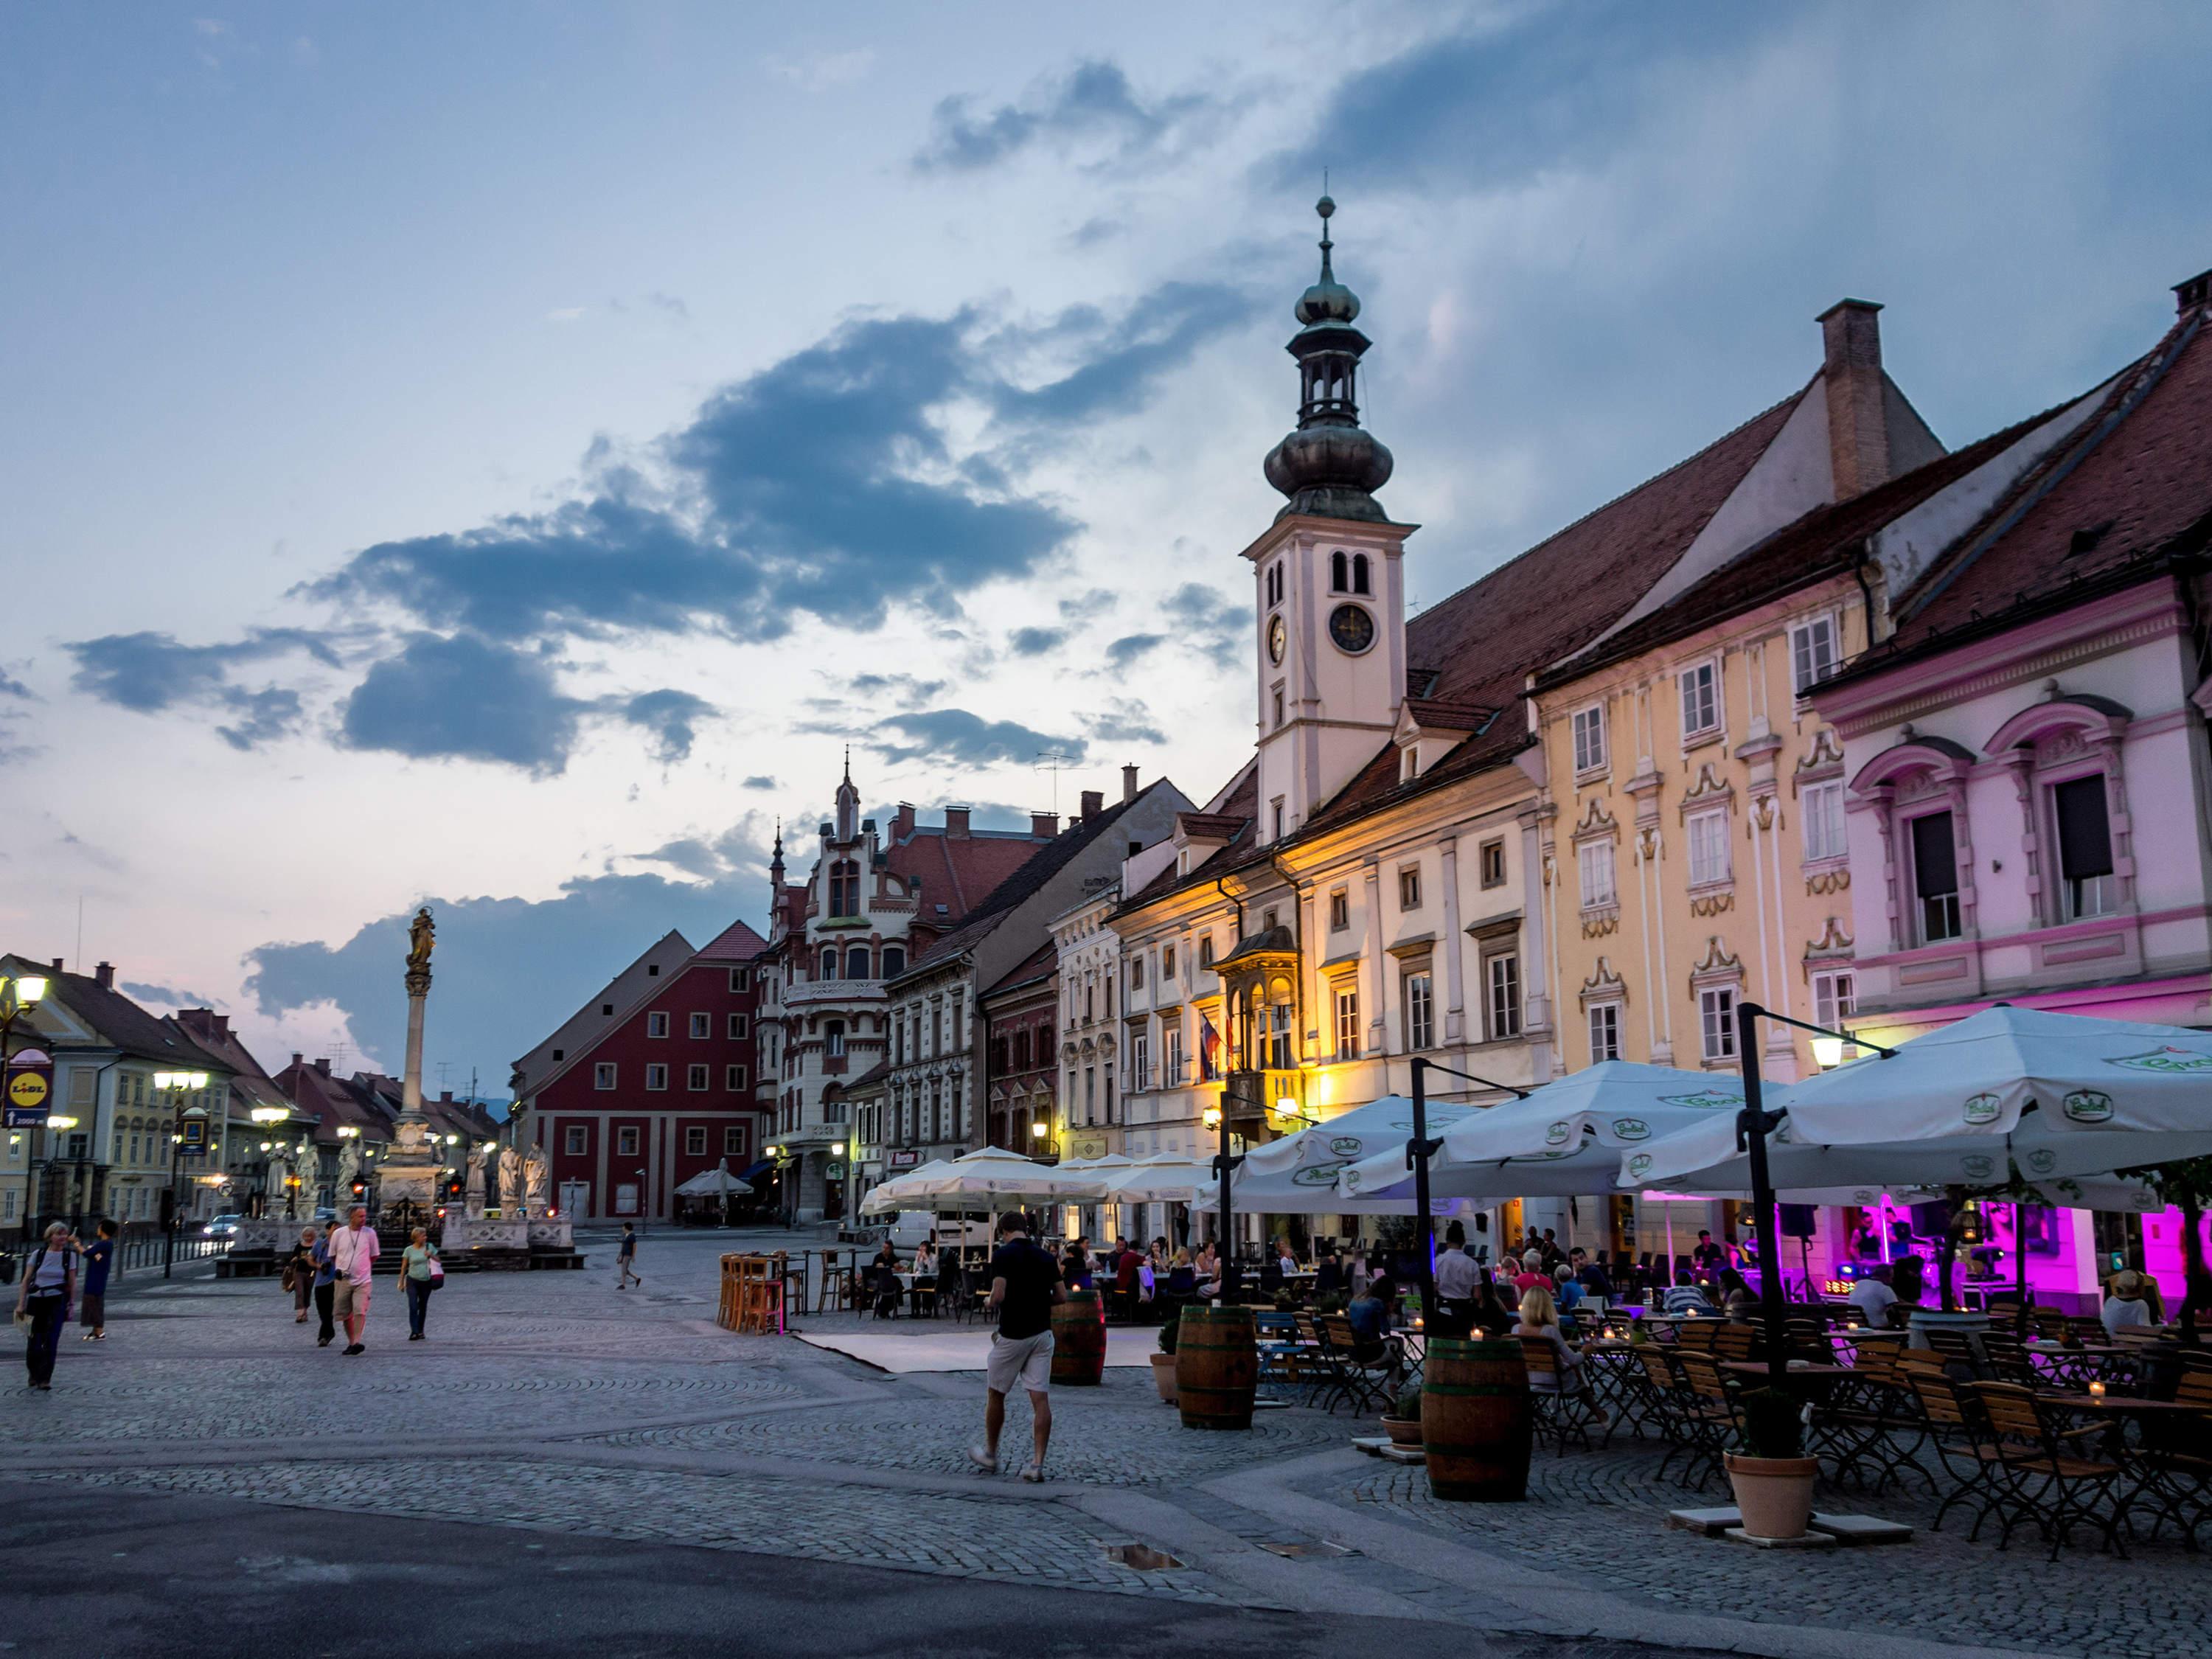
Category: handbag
<point>437,1273</point>
<point>291,1279</point>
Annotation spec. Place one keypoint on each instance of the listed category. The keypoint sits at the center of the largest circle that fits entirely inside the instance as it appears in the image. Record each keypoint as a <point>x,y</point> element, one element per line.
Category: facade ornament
<point>1833,942</point>
<point>1712,904</point>
<point>1604,985</point>
<point>1827,882</point>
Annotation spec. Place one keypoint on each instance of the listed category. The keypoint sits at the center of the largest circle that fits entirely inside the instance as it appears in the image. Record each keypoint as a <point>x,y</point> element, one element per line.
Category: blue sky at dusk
<point>498,455</point>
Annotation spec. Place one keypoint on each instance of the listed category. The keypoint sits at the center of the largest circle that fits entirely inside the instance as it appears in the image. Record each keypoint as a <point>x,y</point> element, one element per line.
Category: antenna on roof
<point>1054,761</point>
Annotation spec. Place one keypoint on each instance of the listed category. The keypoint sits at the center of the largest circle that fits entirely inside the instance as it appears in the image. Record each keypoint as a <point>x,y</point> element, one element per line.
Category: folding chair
<point>1710,1413</point>
<point>1562,1401</point>
<point>1363,1377</point>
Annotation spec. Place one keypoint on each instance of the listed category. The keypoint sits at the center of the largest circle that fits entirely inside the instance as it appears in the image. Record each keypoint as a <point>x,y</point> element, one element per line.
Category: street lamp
<point>177,1085</point>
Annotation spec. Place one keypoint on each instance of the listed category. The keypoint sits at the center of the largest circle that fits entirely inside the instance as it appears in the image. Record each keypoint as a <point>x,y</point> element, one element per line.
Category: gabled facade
<point>659,1091</point>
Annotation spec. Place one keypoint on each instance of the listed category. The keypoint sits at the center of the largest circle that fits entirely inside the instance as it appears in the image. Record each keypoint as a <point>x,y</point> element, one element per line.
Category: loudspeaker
<point>1931,1220</point>
<point>1798,1220</point>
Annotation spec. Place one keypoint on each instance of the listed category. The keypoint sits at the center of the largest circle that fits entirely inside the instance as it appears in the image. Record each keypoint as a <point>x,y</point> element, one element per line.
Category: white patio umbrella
<point>1163,1178</point>
<point>900,1191</point>
<point>994,1173</point>
<point>717,1182</point>
<point>1298,1174</point>
<point>1561,1140</point>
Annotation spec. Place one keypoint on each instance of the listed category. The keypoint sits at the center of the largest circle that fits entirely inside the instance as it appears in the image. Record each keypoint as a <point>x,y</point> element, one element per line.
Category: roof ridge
<point>1605,507</point>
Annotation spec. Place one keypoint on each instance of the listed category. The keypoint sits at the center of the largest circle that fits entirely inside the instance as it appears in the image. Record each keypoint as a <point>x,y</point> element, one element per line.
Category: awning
<point>750,1170</point>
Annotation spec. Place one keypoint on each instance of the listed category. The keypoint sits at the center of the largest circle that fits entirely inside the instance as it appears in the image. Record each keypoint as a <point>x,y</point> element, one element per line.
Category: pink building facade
<point>2030,780</point>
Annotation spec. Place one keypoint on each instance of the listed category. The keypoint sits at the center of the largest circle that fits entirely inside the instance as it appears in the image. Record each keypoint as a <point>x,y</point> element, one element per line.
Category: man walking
<point>353,1252</point>
<point>98,1256</point>
<point>325,1286</point>
<point>626,1259</point>
<point>1025,1283</point>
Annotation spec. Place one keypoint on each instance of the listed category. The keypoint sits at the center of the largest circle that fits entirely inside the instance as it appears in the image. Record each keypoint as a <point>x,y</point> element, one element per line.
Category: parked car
<point>323,1212</point>
<point>222,1226</point>
<point>913,1226</point>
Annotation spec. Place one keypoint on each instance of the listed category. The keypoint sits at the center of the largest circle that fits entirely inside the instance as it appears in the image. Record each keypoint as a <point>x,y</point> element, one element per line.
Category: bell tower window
<point>1339,581</point>
<point>1359,580</point>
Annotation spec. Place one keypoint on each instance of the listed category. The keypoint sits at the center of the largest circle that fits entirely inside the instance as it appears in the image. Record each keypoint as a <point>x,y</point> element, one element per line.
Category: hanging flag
<point>1209,1050</point>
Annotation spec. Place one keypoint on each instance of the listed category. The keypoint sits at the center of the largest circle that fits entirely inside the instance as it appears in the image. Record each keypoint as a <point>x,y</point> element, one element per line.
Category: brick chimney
<point>1044,825</point>
<point>296,1057</point>
<point>103,975</point>
<point>1129,781</point>
<point>1094,803</point>
<point>902,821</point>
<point>324,1066</point>
<point>2196,291</point>
<point>56,967</point>
<point>1851,373</point>
<point>956,823</point>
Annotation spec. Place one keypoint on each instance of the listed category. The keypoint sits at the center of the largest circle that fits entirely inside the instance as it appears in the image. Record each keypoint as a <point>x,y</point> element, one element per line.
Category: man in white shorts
<point>353,1252</point>
<point>1025,1283</point>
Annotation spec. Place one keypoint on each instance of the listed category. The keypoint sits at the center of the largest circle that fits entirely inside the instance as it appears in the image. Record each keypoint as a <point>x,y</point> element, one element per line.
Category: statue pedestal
<point>399,1182</point>
<point>472,1242</point>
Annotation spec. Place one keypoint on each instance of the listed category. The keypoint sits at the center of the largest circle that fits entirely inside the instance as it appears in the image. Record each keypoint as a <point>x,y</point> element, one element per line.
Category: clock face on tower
<point>1352,627</point>
<point>1278,640</point>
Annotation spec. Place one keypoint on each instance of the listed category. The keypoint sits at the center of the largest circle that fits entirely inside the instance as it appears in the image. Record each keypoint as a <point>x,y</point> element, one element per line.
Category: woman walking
<point>42,1303</point>
<point>420,1272</point>
<point>300,1275</point>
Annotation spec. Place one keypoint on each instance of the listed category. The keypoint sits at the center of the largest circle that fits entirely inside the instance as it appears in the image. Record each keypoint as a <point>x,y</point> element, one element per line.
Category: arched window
<point>829,964</point>
<point>1337,581</point>
<point>1359,574</point>
<point>856,963</point>
<point>894,960</point>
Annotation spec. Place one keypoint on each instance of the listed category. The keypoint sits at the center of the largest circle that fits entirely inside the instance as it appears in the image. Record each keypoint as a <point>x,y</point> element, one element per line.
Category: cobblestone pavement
<point>551,1402</point>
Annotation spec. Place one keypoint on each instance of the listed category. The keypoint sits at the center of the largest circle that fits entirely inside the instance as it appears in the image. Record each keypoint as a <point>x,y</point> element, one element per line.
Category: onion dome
<point>1329,467</point>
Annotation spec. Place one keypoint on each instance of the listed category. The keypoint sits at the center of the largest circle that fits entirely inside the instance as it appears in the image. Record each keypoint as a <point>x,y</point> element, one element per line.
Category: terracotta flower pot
<point>1774,1495</point>
<point>1163,1376</point>
<point>1402,1430</point>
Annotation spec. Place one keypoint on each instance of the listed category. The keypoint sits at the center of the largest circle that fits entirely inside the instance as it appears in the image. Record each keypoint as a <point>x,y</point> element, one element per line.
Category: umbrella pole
<point>1426,1256</point>
<point>2020,1264</point>
<point>1752,1126</point>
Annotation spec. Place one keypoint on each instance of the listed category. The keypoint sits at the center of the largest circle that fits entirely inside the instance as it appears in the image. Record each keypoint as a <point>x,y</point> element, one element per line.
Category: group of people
<point>63,1274</point>
<point>1142,1282</point>
<point>330,1272</point>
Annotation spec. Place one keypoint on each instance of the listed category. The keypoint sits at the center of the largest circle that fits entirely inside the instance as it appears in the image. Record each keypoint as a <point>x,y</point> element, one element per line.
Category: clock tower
<point>1327,577</point>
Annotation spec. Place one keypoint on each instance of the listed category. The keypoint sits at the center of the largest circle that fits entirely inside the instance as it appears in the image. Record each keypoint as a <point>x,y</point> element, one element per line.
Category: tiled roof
<point>122,1022</point>
<point>538,1067</point>
<point>1822,544</point>
<point>735,943</point>
<point>957,872</point>
<point>211,1031</point>
<point>1050,858</point>
<point>1240,811</point>
<point>333,1101</point>
<point>1040,964</point>
<point>2132,490</point>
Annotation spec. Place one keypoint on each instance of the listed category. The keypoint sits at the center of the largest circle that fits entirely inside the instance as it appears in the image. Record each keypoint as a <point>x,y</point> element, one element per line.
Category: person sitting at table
<point>1687,1299</point>
<point>1369,1317</point>
<point>1206,1266</point>
<point>1183,1278</point>
<point>1871,1295</point>
<point>882,1279</point>
<point>1540,1323</point>
<point>924,1275</point>
<point>1328,1275</point>
<point>2125,1304</point>
<point>1532,1276</point>
<point>1075,1269</point>
<point>1737,1298</point>
<point>1566,1289</point>
<point>1589,1275</point>
<point>1488,1313</point>
<point>1286,1259</point>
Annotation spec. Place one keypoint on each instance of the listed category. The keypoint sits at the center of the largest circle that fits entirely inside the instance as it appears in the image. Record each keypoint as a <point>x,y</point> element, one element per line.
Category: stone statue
<point>510,1181</point>
<point>421,936</point>
<point>540,1179</point>
<point>474,1194</point>
<point>349,1171</point>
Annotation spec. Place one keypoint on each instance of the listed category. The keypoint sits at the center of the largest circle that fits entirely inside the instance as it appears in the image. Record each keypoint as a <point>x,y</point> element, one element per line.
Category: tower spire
<point>1330,466</point>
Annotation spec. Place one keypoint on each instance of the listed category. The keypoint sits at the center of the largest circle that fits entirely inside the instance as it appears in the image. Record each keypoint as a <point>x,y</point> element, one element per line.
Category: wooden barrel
<point>1216,1363</point>
<point>1476,1420</point>
<point>1078,1341</point>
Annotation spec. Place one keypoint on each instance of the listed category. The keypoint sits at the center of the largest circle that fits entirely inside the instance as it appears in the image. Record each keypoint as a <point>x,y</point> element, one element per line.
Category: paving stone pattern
<point>552,1400</point>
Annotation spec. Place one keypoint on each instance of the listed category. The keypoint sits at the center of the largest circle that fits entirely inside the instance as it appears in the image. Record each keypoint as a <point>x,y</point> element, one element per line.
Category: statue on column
<point>540,1180</point>
<point>473,1196</point>
<point>421,939</point>
<point>510,1181</point>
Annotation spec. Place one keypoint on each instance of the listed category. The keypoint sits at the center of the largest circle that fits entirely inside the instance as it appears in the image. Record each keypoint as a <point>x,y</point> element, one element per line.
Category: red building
<point>656,1085</point>
<point>1019,1013</point>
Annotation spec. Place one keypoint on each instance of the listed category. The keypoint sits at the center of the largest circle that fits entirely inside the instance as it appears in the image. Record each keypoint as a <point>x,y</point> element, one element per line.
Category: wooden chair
<point>1564,1406</point>
<point>1733,1341</point>
<point>1710,1411</point>
<point>1698,1335</point>
<point>2046,1480</point>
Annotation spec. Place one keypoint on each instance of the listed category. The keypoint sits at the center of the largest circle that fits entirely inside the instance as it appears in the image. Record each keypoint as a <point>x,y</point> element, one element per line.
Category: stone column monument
<point>409,1176</point>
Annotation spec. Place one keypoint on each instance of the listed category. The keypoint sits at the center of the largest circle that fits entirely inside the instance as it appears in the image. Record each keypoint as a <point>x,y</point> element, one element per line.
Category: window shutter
<point>2085,837</point>
<point>1934,856</point>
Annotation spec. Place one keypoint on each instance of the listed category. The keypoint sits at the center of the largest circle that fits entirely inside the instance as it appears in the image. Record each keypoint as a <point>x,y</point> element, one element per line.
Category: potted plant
<point>1164,1362</point>
<point>1402,1422</point>
<point>1771,1476</point>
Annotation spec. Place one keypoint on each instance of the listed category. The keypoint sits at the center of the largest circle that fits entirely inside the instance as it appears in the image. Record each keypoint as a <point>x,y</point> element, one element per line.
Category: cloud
<point>819,71</point>
<point>1544,90</point>
<point>565,314</point>
<point>673,717</point>
<point>12,687</point>
<point>1118,360</point>
<point>905,689</point>
<point>761,780</point>
<point>1212,623</point>
<point>509,970</point>
<point>150,672</point>
<point>669,303</point>
<point>955,736</point>
<point>464,698</point>
<point>1036,642</point>
<point>1124,721</point>
<point>1131,647</point>
<point>162,996</point>
<point>1093,103</point>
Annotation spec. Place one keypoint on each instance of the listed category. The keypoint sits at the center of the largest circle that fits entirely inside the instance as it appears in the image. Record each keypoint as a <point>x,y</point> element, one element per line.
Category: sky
<point>500,456</point>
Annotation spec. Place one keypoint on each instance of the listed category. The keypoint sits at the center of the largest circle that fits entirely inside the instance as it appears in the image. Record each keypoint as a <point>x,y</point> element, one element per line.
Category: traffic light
<point>360,1189</point>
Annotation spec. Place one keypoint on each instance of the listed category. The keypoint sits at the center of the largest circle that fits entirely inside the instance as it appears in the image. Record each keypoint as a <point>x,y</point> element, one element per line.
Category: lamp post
<point>19,995</point>
<point>176,1085</point>
<point>1216,1117</point>
<point>1418,1151</point>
